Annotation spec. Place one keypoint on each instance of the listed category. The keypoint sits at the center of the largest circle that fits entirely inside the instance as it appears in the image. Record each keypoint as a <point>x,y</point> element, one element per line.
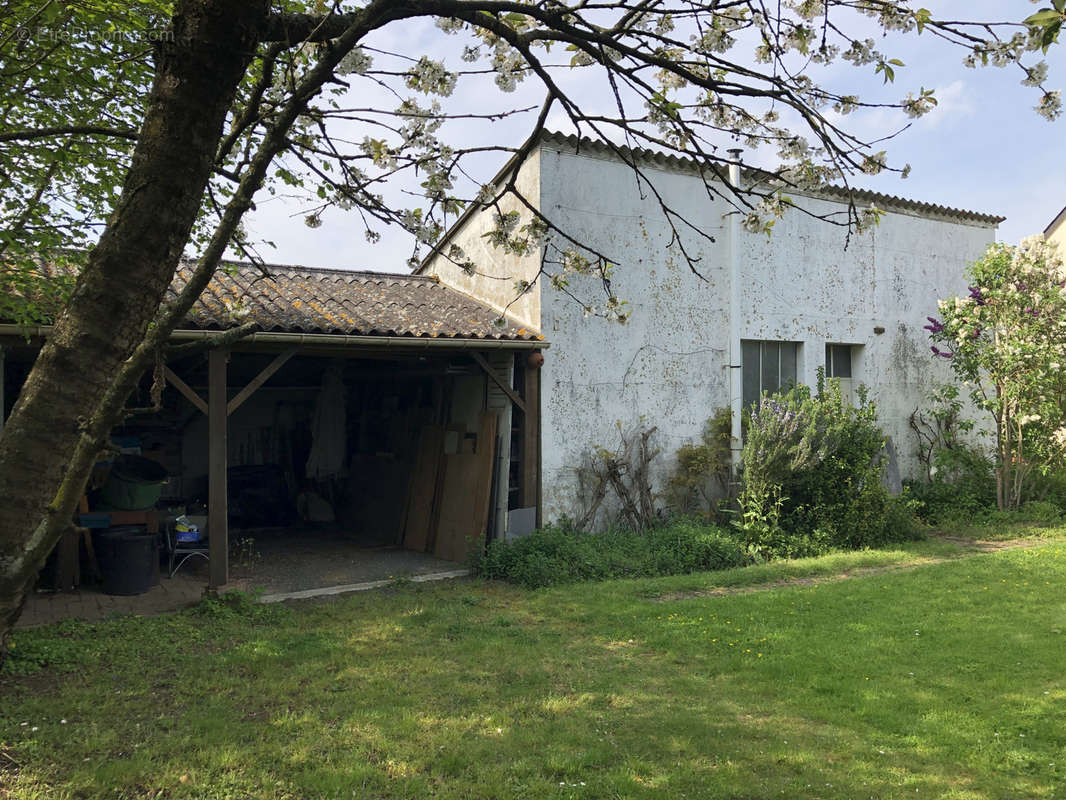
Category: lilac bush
<point>1006,343</point>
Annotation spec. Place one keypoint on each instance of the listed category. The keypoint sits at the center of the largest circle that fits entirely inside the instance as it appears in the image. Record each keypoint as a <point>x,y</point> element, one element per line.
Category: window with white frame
<point>767,367</point>
<point>839,364</point>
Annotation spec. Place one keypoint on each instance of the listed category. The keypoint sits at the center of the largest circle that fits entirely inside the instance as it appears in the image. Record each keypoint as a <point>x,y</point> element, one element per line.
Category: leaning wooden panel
<point>486,452</point>
<point>464,499</point>
<point>420,497</point>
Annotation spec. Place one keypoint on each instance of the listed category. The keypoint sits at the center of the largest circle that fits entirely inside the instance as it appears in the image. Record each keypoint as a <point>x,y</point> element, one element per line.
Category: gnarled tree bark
<point>68,403</point>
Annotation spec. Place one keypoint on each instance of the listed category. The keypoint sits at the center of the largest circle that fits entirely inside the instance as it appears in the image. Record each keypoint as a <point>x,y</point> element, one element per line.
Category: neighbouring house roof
<point>1060,218</point>
<point>309,300</point>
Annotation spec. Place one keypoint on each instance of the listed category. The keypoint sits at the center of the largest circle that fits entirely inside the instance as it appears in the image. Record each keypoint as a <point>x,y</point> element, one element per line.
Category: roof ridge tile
<point>673,160</point>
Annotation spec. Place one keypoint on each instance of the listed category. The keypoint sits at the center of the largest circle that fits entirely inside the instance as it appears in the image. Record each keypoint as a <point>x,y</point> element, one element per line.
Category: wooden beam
<point>530,464</point>
<point>217,500</point>
<point>480,359</point>
<point>2,400</point>
<point>259,380</point>
<point>539,435</point>
<point>185,389</point>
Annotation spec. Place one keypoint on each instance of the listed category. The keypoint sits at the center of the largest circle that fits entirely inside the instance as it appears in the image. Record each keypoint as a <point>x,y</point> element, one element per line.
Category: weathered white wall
<point>669,365</point>
<point>497,272</point>
<point>803,285</point>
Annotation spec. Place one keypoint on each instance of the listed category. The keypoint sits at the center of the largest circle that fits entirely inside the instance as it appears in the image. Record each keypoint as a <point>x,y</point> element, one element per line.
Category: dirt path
<point>967,547</point>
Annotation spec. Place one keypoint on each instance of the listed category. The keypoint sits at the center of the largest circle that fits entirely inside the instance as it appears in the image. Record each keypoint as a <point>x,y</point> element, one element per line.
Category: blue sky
<point>984,148</point>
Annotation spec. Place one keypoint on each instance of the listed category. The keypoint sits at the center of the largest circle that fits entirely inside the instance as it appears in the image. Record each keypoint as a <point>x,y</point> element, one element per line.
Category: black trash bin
<point>129,559</point>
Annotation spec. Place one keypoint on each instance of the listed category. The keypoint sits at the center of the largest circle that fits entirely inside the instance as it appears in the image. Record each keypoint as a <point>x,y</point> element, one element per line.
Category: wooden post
<point>217,501</point>
<point>530,471</point>
<point>2,400</point>
<point>540,455</point>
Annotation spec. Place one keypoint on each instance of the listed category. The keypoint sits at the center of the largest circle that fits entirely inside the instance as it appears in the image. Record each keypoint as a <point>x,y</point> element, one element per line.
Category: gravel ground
<point>270,560</point>
<point>292,559</point>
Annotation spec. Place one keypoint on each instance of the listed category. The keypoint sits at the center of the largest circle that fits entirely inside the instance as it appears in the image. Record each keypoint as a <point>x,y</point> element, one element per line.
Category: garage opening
<point>322,450</point>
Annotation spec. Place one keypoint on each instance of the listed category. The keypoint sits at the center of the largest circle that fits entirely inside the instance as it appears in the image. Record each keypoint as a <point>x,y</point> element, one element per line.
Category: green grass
<point>943,680</point>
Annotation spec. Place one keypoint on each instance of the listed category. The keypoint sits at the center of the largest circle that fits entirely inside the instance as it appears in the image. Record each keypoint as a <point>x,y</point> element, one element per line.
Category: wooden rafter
<point>480,359</point>
<point>258,381</point>
<point>185,389</point>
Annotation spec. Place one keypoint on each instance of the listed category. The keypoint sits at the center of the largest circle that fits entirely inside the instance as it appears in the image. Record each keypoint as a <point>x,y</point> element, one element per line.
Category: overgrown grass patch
<point>940,681</point>
<point>996,525</point>
<point>558,554</point>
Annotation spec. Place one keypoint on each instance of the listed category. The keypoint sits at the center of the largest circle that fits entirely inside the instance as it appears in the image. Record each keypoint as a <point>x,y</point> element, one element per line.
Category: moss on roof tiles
<point>311,300</point>
<point>296,299</point>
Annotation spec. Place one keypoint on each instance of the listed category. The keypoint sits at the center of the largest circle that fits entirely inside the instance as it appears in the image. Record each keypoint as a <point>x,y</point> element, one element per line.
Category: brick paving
<point>282,562</point>
<point>90,603</point>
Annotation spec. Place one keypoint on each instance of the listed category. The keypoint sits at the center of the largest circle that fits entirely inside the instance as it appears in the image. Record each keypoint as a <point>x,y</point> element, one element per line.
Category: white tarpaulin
<point>329,435</point>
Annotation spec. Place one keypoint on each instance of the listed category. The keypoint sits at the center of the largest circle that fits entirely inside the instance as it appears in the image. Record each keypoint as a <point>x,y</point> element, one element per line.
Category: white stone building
<point>803,294</point>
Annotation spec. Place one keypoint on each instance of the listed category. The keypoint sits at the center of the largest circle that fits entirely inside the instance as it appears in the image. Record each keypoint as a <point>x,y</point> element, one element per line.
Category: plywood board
<point>420,497</point>
<point>456,508</point>
<point>465,495</point>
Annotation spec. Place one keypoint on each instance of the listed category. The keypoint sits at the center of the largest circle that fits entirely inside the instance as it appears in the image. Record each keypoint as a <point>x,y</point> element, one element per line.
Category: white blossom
<point>915,107</point>
<point>450,25</point>
<point>356,61</point>
<point>794,148</point>
<point>431,77</point>
<point>861,52</point>
<point>1036,74</point>
<point>1050,106</point>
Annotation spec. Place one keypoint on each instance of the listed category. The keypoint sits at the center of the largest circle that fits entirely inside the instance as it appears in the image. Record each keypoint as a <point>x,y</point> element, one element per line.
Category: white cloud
<point>954,103</point>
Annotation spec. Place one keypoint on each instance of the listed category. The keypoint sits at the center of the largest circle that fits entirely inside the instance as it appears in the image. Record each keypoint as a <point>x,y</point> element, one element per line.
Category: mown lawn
<point>944,680</point>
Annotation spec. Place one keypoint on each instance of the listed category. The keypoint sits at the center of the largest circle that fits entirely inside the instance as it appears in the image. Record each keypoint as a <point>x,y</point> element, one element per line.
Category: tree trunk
<point>1001,450</point>
<point>44,461</point>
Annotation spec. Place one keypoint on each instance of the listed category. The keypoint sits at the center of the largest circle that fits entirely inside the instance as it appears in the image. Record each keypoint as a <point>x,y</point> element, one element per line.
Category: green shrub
<point>558,554</point>
<point>700,479</point>
<point>1040,511</point>
<point>1050,485</point>
<point>235,603</point>
<point>942,502</point>
<point>969,468</point>
<point>812,476</point>
<point>959,484</point>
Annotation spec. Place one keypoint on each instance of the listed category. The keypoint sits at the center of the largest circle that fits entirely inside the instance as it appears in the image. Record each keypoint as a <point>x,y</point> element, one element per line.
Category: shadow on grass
<point>925,683</point>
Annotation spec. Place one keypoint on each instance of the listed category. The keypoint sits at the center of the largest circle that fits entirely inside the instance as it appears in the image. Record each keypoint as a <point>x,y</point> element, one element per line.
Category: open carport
<point>365,426</point>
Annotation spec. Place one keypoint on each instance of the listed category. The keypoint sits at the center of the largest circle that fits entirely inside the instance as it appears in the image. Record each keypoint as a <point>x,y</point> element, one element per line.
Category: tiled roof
<point>310,300</point>
<point>886,202</point>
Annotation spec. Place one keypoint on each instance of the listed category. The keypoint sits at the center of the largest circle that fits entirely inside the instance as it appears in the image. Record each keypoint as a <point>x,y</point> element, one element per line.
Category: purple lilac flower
<point>934,326</point>
<point>975,294</point>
